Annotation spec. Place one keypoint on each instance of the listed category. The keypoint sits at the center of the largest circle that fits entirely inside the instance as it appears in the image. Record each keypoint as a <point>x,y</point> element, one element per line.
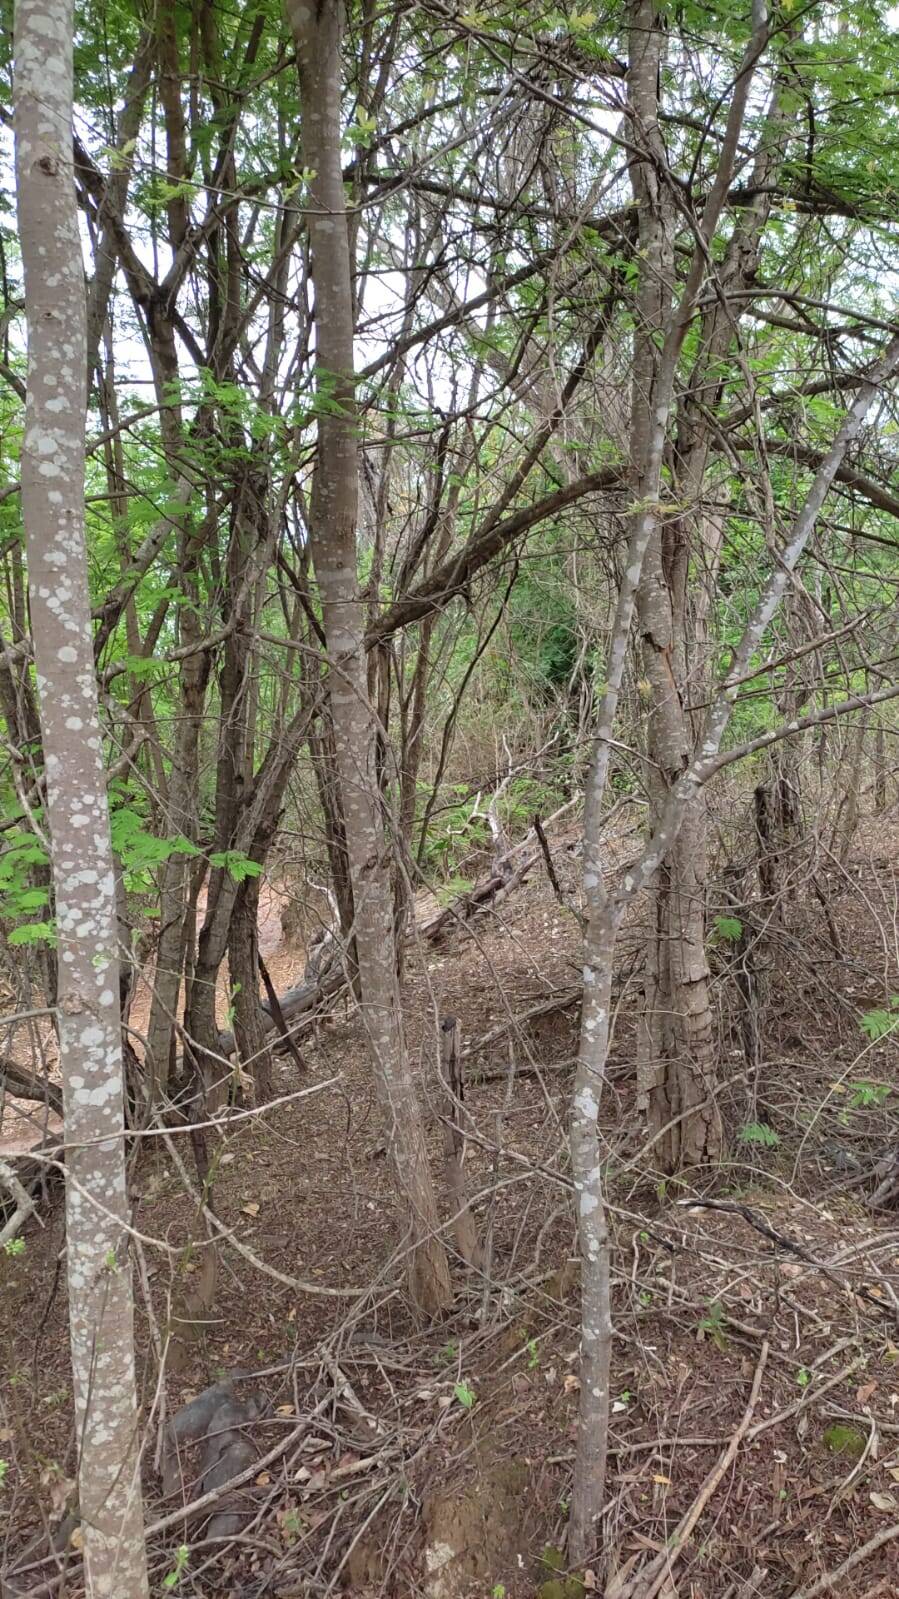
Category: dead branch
<point>829,1581</point>
<point>23,1084</point>
<point>648,1583</point>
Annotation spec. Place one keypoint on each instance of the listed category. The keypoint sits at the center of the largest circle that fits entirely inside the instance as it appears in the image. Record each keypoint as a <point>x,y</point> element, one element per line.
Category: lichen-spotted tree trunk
<point>90,1044</point>
<point>316,27</point>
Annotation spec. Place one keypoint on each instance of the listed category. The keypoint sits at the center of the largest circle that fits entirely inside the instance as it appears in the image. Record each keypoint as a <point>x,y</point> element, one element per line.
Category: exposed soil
<point>436,1460</point>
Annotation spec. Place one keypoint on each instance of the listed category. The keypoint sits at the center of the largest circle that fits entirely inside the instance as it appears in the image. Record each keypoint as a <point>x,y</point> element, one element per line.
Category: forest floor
<point>435,1460</point>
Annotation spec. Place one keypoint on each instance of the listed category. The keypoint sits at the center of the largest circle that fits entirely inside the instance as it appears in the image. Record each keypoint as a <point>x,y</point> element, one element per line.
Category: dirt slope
<point>436,1460</point>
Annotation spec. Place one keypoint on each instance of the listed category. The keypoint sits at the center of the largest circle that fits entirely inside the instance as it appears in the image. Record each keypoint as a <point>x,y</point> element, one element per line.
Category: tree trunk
<point>657,345</point>
<point>678,1060</point>
<point>679,1053</point>
<point>243,965</point>
<point>677,1042</point>
<point>175,898</point>
<point>324,765</point>
<point>880,767</point>
<point>678,1056</point>
<point>332,532</point>
<point>451,1081</point>
<point>90,1040</point>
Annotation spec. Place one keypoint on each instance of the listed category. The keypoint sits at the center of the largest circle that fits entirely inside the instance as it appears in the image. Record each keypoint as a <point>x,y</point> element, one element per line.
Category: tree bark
<point>243,965</point>
<point>90,1042</point>
<point>657,350</point>
<point>332,530</point>
<point>678,1057</point>
<point>464,1225</point>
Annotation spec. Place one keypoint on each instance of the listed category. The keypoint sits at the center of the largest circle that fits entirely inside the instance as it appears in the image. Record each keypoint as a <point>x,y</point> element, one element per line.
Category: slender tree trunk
<point>678,1067</point>
<point>181,819</point>
<point>679,1042</point>
<point>90,1041</point>
<point>880,766</point>
<point>657,349</point>
<point>324,765</point>
<point>464,1224</point>
<point>333,516</point>
<point>243,965</point>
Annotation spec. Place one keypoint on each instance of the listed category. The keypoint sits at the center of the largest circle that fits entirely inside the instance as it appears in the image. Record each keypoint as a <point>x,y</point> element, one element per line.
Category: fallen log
<point>308,1000</point>
<point>301,1004</point>
<point>506,873</point>
<point>23,1084</point>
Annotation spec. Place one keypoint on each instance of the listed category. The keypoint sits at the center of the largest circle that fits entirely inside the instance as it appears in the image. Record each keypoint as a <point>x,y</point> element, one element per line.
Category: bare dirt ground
<point>405,1460</point>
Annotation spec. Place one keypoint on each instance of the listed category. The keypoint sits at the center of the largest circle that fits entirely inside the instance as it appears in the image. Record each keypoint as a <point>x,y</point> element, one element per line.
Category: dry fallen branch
<point>828,1582</point>
<point>25,1205</point>
<point>781,1241</point>
<point>23,1084</point>
<point>647,1583</point>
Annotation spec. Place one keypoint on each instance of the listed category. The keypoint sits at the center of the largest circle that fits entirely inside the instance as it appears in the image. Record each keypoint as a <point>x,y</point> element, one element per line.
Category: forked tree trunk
<point>332,530</point>
<point>90,1040</point>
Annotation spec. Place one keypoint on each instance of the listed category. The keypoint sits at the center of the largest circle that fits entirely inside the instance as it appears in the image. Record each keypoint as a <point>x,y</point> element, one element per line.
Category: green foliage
<point>558,1587</point>
<point>173,1577</point>
<point>20,853</point>
<point>236,864</point>
<point>30,933</point>
<point>456,831</point>
<point>728,929</point>
<point>759,1133</point>
<point>713,1323</point>
<point>465,1395</point>
<point>879,1024</point>
<point>867,1095</point>
<point>138,849</point>
<point>552,1558</point>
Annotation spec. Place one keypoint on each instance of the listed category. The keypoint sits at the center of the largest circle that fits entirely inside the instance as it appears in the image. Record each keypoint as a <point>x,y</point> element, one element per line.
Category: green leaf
<point>714,1322</point>
<point>33,933</point>
<point>465,1395</point>
<point>236,864</point>
<point>879,1023</point>
<point>173,1577</point>
<point>759,1133</point>
<point>728,929</point>
<point>866,1094</point>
